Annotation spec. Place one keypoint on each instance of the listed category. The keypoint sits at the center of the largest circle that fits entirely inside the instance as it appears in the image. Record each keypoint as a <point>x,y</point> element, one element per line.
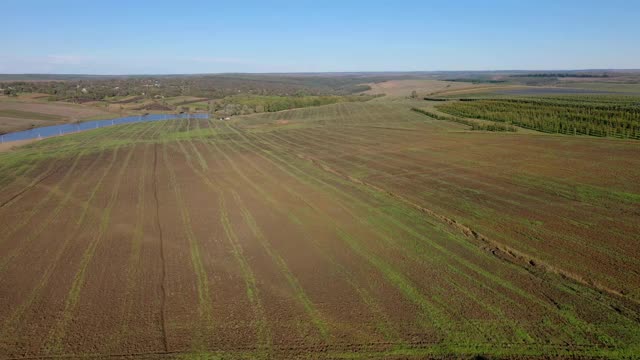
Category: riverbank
<point>63,129</point>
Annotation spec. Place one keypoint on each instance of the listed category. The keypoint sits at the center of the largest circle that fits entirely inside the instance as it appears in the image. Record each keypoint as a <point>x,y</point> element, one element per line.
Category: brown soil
<point>422,87</point>
<point>486,185</point>
<point>314,242</point>
<point>60,109</point>
<point>154,106</point>
<point>66,111</point>
<point>128,100</point>
<point>191,101</point>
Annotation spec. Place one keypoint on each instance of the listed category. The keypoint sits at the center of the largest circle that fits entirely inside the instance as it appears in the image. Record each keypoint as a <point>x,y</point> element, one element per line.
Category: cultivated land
<point>405,87</point>
<point>350,230</point>
<point>51,99</point>
<point>25,112</point>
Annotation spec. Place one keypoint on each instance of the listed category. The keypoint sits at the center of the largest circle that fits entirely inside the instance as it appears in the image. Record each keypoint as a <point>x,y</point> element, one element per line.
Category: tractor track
<point>29,187</point>
<point>162,256</point>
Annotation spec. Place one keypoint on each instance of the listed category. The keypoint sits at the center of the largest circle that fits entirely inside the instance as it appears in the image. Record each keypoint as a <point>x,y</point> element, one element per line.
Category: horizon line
<point>322,72</point>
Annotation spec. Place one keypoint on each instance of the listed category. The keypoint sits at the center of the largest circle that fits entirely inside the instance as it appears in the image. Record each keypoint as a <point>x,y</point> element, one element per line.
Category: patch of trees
<point>250,104</point>
<point>102,88</point>
<point>593,115</point>
<point>10,91</point>
<point>475,125</point>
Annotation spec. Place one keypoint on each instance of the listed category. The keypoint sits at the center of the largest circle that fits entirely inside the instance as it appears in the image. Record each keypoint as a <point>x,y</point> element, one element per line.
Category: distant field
<point>29,115</point>
<point>631,88</point>
<point>531,90</point>
<point>521,90</point>
<point>24,113</point>
<point>351,230</point>
<point>181,100</point>
<point>52,108</point>
<point>423,87</point>
<point>558,87</point>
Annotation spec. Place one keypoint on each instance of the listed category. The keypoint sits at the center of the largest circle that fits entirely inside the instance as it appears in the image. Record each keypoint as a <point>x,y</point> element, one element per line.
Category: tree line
<point>475,125</point>
<point>250,104</point>
<point>594,116</point>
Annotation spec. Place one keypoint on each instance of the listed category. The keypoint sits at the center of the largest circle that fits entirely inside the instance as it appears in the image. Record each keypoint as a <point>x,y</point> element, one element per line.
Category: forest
<point>84,88</point>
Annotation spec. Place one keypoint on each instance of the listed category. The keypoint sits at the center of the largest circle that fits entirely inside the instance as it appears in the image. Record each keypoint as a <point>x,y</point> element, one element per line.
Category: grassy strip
<point>264,337</point>
<point>202,280</point>
<point>133,271</point>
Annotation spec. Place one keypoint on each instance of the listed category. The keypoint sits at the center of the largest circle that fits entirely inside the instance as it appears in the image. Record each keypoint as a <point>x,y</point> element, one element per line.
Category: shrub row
<point>473,124</point>
<point>598,117</point>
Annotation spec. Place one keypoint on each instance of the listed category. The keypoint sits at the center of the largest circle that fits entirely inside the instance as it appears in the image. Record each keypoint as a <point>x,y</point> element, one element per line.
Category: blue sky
<point>145,37</point>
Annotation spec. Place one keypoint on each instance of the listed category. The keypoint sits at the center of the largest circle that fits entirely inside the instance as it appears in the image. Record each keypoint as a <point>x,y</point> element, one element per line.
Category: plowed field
<point>345,231</point>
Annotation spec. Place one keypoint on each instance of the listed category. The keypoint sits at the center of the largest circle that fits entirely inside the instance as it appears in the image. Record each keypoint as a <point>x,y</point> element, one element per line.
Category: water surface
<point>56,130</point>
